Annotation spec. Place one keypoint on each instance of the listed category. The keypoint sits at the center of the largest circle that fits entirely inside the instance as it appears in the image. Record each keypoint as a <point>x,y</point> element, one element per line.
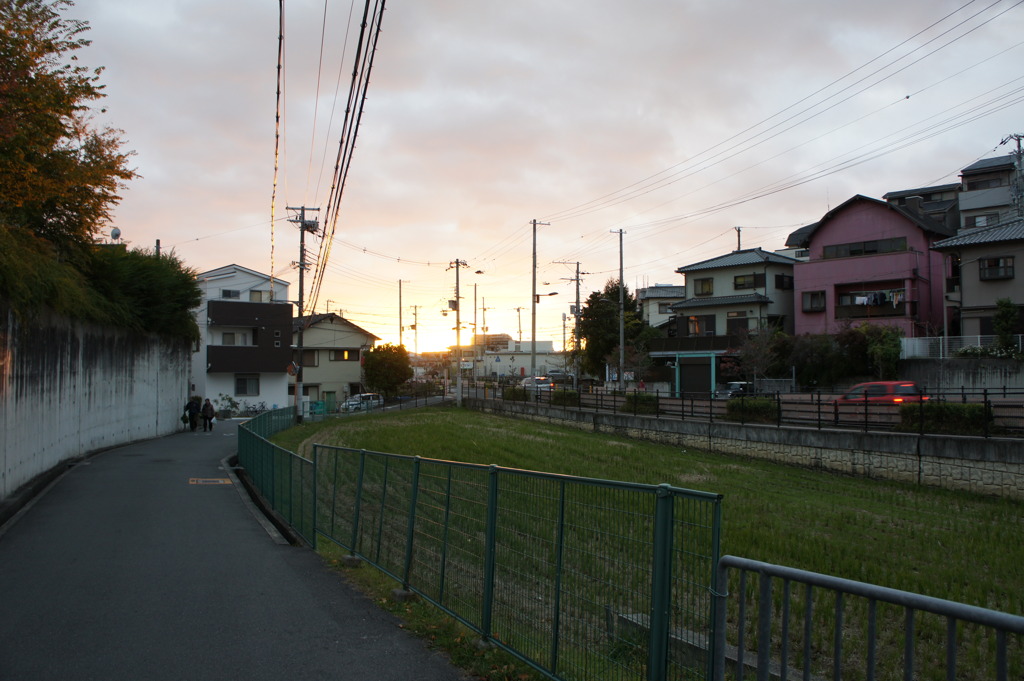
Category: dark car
<point>882,392</point>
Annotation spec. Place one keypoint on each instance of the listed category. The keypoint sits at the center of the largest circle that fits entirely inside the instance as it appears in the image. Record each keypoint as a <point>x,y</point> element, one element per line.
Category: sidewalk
<point>146,562</point>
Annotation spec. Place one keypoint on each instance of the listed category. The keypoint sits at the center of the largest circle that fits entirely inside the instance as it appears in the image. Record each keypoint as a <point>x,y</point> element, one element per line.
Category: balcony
<point>665,346</point>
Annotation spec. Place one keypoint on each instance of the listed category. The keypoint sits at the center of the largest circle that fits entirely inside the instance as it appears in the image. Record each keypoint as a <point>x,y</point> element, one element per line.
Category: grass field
<point>951,545</point>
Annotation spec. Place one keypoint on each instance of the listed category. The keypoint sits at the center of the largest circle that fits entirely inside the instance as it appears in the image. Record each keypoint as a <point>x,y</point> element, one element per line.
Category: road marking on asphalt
<point>209,481</point>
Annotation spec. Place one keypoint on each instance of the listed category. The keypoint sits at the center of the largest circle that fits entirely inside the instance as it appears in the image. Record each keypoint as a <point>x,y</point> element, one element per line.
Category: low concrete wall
<point>68,389</point>
<point>968,374</point>
<point>991,466</point>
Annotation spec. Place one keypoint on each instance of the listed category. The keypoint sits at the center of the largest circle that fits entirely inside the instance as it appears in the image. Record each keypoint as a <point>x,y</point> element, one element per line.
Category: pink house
<point>870,261</point>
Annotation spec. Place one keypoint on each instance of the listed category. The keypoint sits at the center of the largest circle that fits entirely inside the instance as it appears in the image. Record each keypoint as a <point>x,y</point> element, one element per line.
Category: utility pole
<point>416,328</point>
<point>304,226</point>
<point>400,327</point>
<point>576,327</point>
<point>622,316</point>
<point>519,315</point>
<point>458,264</point>
<point>1018,179</point>
<point>533,303</point>
<point>738,230</point>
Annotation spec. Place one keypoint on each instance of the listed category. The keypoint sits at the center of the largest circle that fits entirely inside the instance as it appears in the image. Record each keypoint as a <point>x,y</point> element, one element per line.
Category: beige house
<point>981,269</point>
<point>331,358</point>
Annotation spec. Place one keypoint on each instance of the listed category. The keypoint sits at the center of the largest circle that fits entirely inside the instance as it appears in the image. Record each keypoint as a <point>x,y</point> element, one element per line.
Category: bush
<point>565,398</point>
<point>641,403</point>
<point>946,417</point>
<point>752,409</point>
<point>515,394</point>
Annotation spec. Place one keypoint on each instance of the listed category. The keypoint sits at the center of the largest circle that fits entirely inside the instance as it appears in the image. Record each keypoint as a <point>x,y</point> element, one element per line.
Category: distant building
<point>982,268</point>
<point>244,348</point>
<point>655,303</point>
<point>869,261</point>
<point>332,358</point>
<point>742,291</point>
<point>990,193</point>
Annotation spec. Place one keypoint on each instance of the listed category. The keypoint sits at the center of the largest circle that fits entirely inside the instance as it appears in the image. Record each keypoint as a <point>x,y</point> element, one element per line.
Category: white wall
<point>67,389</point>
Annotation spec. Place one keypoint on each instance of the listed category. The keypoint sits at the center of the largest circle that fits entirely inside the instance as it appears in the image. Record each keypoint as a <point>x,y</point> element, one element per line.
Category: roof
<point>750,256</point>
<point>1009,231</point>
<point>922,191</point>
<point>661,291</point>
<point>987,164</point>
<point>237,268</point>
<point>802,237</point>
<point>715,301</point>
<point>311,320</point>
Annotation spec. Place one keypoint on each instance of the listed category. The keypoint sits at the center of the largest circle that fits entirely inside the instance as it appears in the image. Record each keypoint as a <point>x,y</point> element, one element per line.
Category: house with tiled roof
<point>981,268</point>
<point>870,261</point>
<point>655,303</point>
<point>990,190</point>
<point>331,358</point>
<point>746,290</point>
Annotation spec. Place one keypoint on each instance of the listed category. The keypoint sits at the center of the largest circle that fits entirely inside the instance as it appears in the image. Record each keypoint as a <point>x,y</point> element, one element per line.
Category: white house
<point>244,348</point>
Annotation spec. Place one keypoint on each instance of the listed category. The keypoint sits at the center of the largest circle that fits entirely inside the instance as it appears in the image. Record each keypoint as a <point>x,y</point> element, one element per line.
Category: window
<point>859,248</point>
<point>230,294</point>
<point>703,287</point>
<point>259,296</point>
<point>995,268</point>
<point>987,183</point>
<point>814,301</point>
<point>664,308</point>
<point>748,281</point>
<point>234,338</point>
<point>343,355</point>
<point>701,325</point>
<point>784,282</point>
<point>736,322</point>
<point>310,358</point>
<point>986,220</point>
<point>247,385</point>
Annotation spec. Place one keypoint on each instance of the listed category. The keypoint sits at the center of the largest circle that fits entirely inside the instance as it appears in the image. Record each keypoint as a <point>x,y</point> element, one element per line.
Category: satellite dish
<point>115,234</point>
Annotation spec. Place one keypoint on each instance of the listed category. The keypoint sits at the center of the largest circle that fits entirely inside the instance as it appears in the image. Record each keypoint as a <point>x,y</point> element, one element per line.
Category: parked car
<point>537,383</point>
<point>736,389</point>
<point>882,392</point>
<point>363,402</point>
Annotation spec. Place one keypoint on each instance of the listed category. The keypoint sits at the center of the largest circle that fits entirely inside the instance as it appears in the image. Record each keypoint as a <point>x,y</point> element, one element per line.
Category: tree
<point>61,175</point>
<point>1006,322</point>
<point>599,327</point>
<point>387,367</point>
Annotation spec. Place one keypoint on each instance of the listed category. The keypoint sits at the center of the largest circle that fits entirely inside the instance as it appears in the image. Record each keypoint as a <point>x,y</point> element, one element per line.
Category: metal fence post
<point>410,531</point>
<point>661,584</point>
<point>489,559</point>
<point>312,532</point>
<point>358,502</point>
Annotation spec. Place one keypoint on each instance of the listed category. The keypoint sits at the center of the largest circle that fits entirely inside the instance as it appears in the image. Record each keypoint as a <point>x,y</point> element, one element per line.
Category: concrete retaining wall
<point>991,466</point>
<point>969,374</point>
<point>68,389</point>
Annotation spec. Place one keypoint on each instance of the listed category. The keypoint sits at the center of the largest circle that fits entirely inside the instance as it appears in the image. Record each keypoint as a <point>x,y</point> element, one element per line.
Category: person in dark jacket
<point>208,412</point>
<point>192,410</point>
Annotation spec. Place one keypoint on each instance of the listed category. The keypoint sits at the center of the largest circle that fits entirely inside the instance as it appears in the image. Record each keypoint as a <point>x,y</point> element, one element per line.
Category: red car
<point>883,392</point>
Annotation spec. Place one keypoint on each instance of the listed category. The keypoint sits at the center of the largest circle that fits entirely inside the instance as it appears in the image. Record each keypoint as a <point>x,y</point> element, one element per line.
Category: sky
<point>674,121</point>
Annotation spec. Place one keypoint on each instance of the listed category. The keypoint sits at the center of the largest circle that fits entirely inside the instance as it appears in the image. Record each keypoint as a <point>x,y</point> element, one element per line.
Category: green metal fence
<point>580,578</point>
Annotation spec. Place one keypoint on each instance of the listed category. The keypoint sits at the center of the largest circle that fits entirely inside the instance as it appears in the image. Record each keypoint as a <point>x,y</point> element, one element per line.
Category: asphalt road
<point>140,564</point>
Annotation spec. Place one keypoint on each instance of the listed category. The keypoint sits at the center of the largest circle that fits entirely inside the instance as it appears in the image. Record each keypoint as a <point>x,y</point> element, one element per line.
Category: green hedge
<point>641,403</point>
<point>515,394</point>
<point>752,409</point>
<point>949,418</point>
<point>565,398</point>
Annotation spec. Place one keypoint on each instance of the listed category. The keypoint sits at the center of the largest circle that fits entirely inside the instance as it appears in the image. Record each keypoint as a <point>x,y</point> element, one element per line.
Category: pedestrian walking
<point>192,409</point>
<point>208,412</point>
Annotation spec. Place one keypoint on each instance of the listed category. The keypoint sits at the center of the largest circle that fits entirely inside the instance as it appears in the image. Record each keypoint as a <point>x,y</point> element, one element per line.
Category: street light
<point>533,339</point>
